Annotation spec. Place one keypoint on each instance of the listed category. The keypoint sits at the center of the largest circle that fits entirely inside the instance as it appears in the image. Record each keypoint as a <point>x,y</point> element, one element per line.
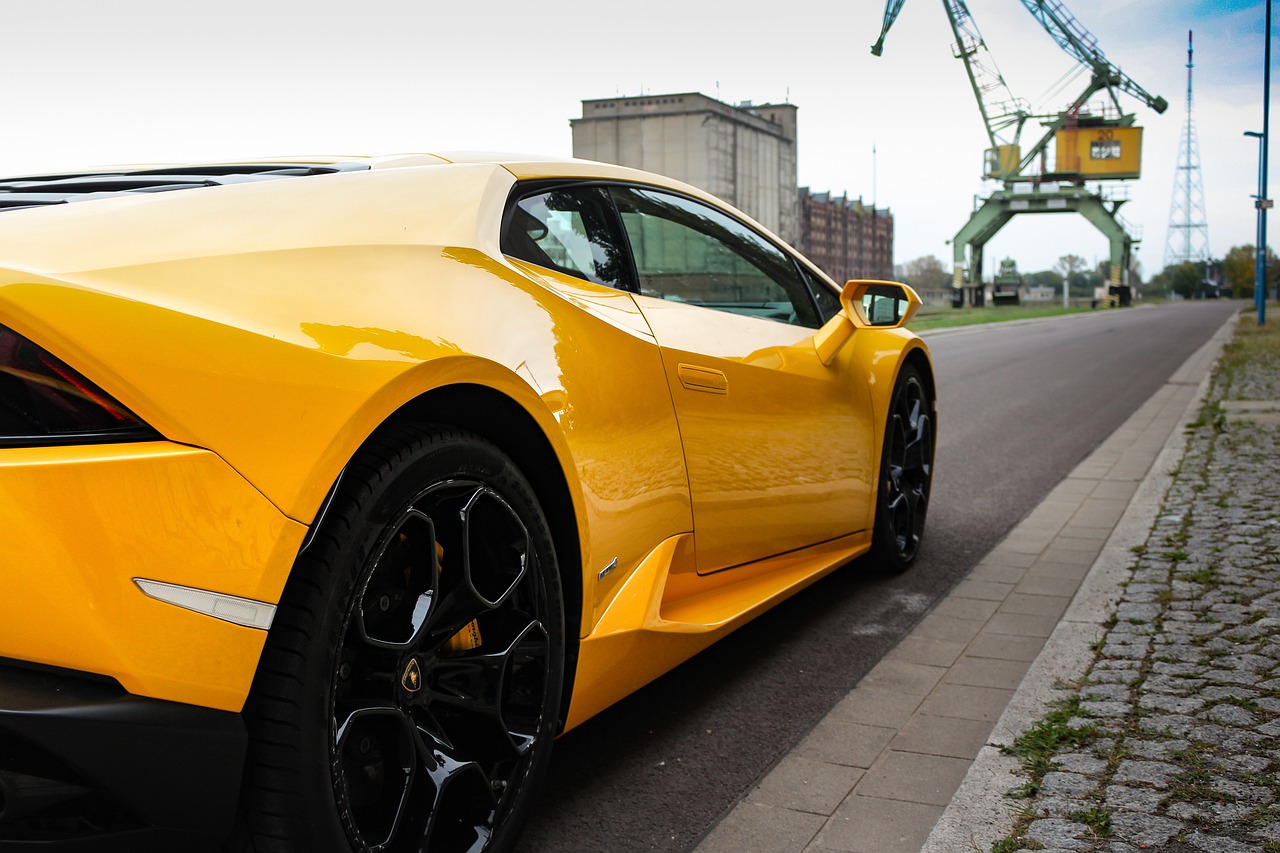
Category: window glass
<point>828,300</point>
<point>689,252</point>
<point>568,229</point>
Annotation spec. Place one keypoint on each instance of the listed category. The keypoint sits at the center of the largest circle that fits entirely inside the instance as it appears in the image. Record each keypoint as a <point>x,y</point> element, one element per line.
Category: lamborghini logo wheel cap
<point>411,680</point>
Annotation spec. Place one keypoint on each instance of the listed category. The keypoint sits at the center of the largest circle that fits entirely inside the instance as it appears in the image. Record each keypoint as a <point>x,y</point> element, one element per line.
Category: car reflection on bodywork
<point>335,489</point>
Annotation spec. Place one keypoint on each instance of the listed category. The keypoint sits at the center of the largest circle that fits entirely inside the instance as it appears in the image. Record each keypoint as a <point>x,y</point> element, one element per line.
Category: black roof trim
<point>43,190</point>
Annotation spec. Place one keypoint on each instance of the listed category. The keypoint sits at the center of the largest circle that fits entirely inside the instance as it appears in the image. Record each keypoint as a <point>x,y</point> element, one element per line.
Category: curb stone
<point>981,813</point>
<point>1179,705</point>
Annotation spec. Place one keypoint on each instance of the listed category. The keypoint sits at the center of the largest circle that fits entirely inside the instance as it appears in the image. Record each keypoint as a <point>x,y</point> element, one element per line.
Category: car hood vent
<point>42,190</point>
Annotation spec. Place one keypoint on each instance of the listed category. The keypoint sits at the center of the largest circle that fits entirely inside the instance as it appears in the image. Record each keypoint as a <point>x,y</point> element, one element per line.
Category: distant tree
<point>1103,272</point>
<point>1161,282</point>
<point>1238,270</point>
<point>1184,278</point>
<point>926,273</point>
<point>1102,276</point>
<point>1088,280</point>
<point>1044,278</point>
<point>1135,274</point>
<point>1068,265</point>
<point>1158,284</point>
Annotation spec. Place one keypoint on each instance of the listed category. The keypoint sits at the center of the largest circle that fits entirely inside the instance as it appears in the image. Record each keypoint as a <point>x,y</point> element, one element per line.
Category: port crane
<point>1090,142</point>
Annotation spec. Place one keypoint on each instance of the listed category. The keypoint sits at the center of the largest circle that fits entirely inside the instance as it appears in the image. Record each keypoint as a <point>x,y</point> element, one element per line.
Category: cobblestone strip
<point>1171,741</point>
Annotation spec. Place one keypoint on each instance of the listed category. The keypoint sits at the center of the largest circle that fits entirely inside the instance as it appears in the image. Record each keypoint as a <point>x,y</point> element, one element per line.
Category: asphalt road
<point>1019,406</point>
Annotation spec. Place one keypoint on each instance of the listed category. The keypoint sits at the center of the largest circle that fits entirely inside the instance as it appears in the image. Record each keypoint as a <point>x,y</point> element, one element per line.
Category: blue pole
<point>1262,188</point>
<point>1260,261</point>
<point>1260,237</point>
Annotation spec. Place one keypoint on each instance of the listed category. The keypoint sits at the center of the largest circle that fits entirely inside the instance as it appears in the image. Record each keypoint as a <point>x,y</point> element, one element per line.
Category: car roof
<point>56,188</point>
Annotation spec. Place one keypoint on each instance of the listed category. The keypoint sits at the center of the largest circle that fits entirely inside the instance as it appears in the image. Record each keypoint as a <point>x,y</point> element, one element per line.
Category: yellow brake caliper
<point>469,637</point>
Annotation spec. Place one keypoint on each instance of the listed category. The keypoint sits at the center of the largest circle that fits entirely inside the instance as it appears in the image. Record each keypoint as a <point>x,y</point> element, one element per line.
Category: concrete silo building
<point>746,155</point>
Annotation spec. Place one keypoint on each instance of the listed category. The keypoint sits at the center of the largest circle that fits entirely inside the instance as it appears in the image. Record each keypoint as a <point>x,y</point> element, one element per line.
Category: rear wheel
<point>410,689</point>
<point>906,473</point>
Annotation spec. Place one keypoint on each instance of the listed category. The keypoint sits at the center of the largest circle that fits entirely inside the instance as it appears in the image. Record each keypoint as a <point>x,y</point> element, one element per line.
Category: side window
<point>828,300</point>
<point>687,251</point>
<point>567,229</point>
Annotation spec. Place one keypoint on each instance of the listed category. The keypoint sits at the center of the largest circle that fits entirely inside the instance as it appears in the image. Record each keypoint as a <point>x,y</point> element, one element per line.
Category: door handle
<point>705,379</point>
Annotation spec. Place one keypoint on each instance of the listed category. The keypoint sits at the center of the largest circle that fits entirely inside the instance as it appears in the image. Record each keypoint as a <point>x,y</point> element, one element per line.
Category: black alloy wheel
<point>419,652</point>
<point>906,473</point>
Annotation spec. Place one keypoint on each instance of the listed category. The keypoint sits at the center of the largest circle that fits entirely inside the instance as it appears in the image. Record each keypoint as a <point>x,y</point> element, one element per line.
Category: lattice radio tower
<point>1188,235</point>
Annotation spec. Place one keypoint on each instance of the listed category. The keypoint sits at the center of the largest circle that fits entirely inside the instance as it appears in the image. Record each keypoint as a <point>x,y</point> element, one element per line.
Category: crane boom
<point>1003,115</point>
<point>1000,109</point>
<point>1088,144</point>
<point>1078,42</point>
<point>891,10</point>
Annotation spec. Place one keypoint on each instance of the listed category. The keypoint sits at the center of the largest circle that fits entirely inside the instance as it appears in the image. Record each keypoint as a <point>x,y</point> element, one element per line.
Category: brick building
<point>845,237</point>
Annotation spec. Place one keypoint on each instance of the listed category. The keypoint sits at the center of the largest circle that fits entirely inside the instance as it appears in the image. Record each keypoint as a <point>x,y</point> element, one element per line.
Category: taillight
<point>44,401</point>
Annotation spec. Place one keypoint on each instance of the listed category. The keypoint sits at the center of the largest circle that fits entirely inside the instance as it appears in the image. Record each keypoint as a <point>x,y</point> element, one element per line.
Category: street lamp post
<point>1261,202</point>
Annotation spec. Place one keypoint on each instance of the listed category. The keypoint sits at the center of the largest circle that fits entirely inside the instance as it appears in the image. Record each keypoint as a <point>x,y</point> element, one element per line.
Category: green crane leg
<point>996,211</point>
<point>1121,243</point>
<point>985,222</point>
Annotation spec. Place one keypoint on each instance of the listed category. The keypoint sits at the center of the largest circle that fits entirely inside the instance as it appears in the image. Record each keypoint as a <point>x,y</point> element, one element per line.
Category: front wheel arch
<point>905,479</point>
<point>920,361</point>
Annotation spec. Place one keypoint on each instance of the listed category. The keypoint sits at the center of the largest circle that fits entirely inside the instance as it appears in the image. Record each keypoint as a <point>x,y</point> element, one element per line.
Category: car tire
<point>410,687</point>
<point>906,473</point>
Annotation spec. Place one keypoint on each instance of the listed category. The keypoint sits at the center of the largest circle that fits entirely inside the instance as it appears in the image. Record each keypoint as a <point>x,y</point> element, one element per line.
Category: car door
<point>777,445</point>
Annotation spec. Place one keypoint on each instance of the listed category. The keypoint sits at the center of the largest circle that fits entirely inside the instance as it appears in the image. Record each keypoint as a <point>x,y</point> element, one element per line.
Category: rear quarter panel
<point>279,324</point>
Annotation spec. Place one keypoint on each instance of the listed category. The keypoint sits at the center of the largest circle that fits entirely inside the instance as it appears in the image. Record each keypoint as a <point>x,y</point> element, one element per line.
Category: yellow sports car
<point>333,489</point>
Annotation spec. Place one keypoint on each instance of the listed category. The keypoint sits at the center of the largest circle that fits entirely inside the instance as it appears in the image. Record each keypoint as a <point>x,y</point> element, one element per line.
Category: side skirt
<point>665,613</point>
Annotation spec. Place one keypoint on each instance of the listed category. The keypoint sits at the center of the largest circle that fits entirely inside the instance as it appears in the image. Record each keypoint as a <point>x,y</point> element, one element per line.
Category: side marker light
<point>229,608</point>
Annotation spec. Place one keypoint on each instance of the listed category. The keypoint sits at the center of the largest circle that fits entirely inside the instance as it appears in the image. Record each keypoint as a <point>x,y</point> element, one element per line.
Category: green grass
<point>1096,818</point>
<point>1204,575</point>
<point>1037,745</point>
<point>942,317</point>
<point>1036,748</point>
<point>1253,342</point>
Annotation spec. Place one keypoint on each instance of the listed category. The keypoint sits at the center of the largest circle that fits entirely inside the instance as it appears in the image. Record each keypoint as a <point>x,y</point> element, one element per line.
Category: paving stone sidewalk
<point>1171,739</point>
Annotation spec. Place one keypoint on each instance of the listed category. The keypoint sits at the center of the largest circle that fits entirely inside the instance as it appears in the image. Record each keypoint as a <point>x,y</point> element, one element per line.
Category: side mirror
<point>880,304</point>
<point>866,304</point>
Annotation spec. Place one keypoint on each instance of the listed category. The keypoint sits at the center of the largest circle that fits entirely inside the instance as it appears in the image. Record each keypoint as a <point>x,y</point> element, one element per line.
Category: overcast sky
<point>86,82</point>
